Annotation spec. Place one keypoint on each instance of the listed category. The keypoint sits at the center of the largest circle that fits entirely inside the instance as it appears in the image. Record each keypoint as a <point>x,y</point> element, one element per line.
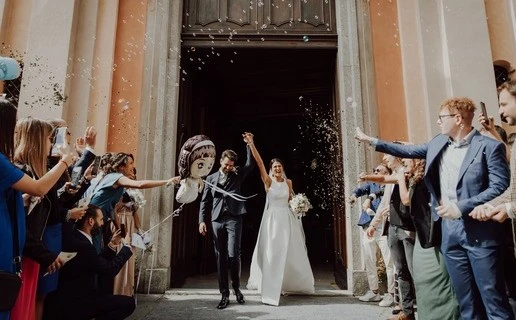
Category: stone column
<point>468,63</point>
<point>350,107</point>
<point>50,46</point>
<point>92,69</point>
<point>442,58</point>
<point>157,145</point>
<point>419,122</point>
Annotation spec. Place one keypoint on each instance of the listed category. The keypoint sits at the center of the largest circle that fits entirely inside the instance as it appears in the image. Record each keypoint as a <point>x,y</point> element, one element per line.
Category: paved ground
<point>199,297</point>
<point>200,304</point>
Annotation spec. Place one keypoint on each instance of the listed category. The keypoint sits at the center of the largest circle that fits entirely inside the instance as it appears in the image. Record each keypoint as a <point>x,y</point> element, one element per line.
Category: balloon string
<point>173,214</point>
<point>229,194</point>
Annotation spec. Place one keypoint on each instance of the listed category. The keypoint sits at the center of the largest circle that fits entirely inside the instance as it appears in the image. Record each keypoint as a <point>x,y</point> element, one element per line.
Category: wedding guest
<point>126,214</point>
<point>62,198</point>
<point>370,245</point>
<point>226,220</point>
<point>280,261</point>
<point>13,182</point>
<point>33,143</point>
<point>76,296</point>
<point>464,169</point>
<point>503,206</point>
<point>401,236</point>
<point>108,190</point>
<point>435,296</point>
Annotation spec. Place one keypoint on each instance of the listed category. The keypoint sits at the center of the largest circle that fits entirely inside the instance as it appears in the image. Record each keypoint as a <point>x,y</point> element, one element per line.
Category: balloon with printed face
<point>196,159</point>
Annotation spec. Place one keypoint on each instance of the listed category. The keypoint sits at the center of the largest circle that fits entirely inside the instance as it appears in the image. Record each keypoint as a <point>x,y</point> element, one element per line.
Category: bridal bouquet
<point>300,205</point>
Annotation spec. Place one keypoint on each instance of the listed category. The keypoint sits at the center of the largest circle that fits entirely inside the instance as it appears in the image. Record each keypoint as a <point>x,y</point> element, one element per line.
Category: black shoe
<point>239,296</point>
<point>223,302</point>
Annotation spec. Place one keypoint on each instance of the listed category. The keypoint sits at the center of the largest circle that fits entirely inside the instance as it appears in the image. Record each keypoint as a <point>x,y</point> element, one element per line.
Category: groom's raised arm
<point>250,163</point>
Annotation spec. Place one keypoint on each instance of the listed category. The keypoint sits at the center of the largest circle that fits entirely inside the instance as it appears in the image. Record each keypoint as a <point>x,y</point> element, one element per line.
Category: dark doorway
<point>286,98</point>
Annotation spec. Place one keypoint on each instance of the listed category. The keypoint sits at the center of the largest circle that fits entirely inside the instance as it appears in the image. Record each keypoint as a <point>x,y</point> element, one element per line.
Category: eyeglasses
<point>444,116</point>
<point>377,170</point>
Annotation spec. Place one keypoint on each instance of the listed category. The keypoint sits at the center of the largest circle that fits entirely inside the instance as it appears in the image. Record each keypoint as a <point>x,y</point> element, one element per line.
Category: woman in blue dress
<point>12,183</point>
<point>106,193</point>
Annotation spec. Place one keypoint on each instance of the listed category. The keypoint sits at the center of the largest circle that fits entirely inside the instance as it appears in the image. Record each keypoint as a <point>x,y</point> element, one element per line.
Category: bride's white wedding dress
<point>280,262</point>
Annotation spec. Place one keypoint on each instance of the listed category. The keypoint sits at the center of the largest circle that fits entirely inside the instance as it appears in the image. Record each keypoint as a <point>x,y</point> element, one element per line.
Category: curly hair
<point>418,172</point>
<point>114,161</point>
<point>461,105</point>
<point>105,161</point>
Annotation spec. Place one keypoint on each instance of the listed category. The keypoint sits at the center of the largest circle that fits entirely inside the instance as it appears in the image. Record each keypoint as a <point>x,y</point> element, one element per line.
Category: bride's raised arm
<point>249,139</point>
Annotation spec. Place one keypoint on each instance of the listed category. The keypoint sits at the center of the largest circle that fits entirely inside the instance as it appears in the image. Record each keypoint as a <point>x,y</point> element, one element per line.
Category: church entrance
<point>286,98</point>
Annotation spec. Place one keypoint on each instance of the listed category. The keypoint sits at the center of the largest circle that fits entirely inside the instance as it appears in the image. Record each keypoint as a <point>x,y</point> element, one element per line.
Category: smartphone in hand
<point>96,164</point>
<point>59,141</point>
<point>484,111</point>
<point>76,176</point>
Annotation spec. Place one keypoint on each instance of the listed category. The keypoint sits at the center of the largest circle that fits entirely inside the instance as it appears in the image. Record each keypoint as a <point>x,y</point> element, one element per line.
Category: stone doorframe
<point>159,113</point>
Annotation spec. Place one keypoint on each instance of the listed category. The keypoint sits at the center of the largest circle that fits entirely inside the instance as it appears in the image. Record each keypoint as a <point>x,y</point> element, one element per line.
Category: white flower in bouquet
<point>300,205</point>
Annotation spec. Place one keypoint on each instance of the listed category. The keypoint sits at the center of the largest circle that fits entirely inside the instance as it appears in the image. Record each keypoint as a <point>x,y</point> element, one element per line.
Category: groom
<point>226,220</point>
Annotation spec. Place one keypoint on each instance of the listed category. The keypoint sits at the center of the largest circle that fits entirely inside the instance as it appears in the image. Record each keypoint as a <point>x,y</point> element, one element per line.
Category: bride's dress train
<point>280,262</point>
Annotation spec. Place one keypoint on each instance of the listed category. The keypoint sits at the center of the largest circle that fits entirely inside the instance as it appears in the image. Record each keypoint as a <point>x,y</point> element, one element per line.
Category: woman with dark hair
<point>13,182</point>
<point>280,261</point>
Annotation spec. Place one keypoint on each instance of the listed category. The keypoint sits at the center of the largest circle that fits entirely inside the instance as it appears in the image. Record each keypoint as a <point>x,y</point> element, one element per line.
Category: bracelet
<point>66,164</point>
<point>250,143</point>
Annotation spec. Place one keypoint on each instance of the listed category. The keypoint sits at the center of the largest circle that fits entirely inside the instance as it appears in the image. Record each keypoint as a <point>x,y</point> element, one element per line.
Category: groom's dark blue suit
<point>226,221</point>
<point>470,247</point>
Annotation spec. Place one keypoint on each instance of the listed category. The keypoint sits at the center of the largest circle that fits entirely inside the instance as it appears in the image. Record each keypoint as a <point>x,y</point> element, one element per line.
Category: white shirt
<point>449,169</point>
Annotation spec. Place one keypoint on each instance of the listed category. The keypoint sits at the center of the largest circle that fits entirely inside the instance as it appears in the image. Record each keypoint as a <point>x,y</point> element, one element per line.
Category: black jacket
<point>215,202</point>
<point>428,231</point>
<point>77,276</point>
<point>36,223</point>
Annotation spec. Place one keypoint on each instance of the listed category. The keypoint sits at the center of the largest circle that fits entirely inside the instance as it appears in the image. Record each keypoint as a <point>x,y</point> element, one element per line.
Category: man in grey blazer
<point>226,219</point>
<point>464,169</point>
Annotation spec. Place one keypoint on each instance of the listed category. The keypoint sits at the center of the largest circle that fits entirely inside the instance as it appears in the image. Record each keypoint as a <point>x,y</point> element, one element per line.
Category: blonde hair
<point>460,105</point>
<point>31,135</point>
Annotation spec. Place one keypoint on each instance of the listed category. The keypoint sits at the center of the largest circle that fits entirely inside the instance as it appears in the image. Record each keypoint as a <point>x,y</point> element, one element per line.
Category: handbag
<point>10,283</point>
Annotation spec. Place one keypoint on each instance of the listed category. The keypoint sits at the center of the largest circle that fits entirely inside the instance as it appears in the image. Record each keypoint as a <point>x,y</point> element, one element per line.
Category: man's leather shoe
<point>223,302</point>
<point>239,296</point>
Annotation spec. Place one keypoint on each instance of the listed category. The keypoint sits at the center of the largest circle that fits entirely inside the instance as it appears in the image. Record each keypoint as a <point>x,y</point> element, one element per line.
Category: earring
<point>462,126</point>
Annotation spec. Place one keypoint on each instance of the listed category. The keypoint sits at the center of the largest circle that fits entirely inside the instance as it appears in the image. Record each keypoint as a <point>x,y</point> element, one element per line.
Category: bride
<point>280,262</point>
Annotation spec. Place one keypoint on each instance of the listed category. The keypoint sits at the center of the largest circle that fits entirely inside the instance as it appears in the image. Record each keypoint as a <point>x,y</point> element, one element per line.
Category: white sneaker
<point>387,301</point>
<point>370,296</point>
